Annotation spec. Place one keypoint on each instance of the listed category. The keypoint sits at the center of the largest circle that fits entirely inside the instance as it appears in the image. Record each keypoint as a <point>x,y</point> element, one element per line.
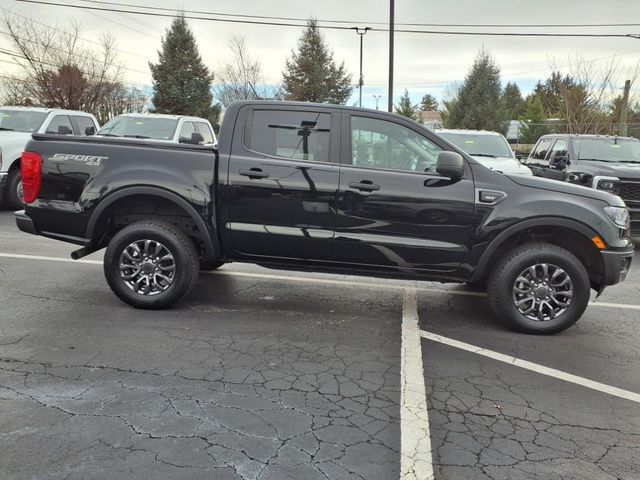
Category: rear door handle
<point>254,173</point>
<point>364,186</point>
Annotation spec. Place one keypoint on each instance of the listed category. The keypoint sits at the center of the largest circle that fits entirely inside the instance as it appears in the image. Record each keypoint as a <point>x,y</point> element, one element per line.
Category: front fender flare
<point>482,265</point>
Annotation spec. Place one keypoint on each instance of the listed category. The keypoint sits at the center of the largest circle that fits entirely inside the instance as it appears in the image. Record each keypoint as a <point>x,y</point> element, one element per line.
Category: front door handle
<point>254,173</point>
<point>364,186</point>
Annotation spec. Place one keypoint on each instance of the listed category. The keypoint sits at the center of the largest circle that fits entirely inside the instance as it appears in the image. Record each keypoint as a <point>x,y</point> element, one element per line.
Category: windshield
<point>140,127</point>
<point>480,145</point>
<point>607,149</point>
<point>21,120</point>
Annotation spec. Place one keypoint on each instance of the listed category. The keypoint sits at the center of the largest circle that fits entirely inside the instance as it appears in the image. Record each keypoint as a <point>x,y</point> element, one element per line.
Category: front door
<point>394,210</point>
<point>283,182</point>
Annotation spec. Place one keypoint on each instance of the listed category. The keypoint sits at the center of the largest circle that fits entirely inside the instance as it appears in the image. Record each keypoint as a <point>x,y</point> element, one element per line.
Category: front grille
<point>630,191</point>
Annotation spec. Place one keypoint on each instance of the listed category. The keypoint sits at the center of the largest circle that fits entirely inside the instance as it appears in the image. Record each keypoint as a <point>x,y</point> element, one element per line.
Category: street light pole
<point>377,97</point>
<point>361,32</point>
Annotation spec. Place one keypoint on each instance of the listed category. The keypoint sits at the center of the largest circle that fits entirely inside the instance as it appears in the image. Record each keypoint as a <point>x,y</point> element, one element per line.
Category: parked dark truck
<point>603,162</point>
<point>330,189</point>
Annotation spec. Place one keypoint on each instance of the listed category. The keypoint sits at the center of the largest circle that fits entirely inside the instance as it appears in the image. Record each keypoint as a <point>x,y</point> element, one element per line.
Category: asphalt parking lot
<point>262,374</point>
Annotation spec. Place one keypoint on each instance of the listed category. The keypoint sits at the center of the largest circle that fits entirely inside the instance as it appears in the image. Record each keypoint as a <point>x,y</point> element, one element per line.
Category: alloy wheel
<point>542,292</point>
<point>147,267</point>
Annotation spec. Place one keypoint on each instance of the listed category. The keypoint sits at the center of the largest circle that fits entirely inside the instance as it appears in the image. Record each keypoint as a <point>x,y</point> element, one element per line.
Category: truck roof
<point>588,135</point>
<point>43,110</point>
<point>162,115</point>
<point>466,131</point>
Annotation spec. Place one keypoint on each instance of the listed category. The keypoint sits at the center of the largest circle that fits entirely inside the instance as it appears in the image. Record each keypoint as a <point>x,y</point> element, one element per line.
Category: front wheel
<point>151,264</point>
<point>539,288</point>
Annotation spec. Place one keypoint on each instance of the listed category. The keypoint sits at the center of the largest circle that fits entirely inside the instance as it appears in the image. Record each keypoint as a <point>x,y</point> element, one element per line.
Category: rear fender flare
<point>211,246</point>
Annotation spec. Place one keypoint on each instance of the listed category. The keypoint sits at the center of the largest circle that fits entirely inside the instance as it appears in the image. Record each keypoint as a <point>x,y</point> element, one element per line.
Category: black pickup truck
<point>325,188</point>
<point>604,162</point>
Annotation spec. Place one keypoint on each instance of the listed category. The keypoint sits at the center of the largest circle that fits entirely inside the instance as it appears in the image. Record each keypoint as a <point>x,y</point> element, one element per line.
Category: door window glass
<point>559,150</point>
<point>383,144</point>
<point>302,135</point>
<point>541,150</point>
<point>83,123</point>
<point>61,125</point>
<point>186,131</point>
<point>204,130</point>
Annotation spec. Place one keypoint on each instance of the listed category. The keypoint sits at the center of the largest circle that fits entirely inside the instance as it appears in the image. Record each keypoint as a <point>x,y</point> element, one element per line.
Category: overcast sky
<point>424,63</point>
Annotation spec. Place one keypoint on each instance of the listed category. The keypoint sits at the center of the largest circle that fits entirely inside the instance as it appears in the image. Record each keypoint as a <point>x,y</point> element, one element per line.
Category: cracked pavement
<point>266,379</point>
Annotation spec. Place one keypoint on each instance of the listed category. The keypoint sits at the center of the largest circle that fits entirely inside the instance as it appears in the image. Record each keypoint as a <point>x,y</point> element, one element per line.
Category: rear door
<point>394,211</point>
<point>283,181</point>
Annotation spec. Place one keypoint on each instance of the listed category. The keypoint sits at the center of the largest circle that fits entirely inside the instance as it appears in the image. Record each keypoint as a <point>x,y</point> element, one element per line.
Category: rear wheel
<point>539,288</point>
<point>151,264</point>
<point>14,190</point>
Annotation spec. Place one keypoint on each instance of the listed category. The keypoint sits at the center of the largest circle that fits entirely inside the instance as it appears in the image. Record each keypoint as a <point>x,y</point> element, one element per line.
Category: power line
<point>334,27</point>
<point>60,30</point>
<point>350,22</point>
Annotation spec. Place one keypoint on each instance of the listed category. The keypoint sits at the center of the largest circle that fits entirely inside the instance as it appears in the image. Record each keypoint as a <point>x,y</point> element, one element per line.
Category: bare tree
<point>57,71</point>
<point>121,99</point>
<point>240,78</point>
<point>586,101</point>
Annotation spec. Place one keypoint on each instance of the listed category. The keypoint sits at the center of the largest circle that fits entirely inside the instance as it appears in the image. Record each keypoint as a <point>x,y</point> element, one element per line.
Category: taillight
<point>31,171</point>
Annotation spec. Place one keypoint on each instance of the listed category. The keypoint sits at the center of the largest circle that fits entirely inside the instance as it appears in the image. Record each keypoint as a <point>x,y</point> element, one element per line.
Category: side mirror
<point>90,131</point>
<point>560,162</point>
<point>450,164</point>
<point>196,138</point>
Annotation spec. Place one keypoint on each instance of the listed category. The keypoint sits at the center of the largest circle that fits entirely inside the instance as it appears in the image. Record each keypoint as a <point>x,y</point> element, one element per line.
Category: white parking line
<point>416,462</point>
<point>541,369</point>
<point>394,285</point>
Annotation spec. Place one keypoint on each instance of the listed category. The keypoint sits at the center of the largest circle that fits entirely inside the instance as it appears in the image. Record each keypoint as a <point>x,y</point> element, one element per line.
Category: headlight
<point>619,216</point>
<point>607,184</point>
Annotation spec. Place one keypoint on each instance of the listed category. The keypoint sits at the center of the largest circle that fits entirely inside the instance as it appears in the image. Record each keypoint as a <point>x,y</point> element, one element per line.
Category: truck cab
<point>17,124</point>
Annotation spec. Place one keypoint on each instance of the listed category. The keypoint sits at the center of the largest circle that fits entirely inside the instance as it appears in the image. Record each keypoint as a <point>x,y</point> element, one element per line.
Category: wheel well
<point>573,241</point>
<point>136,208</point>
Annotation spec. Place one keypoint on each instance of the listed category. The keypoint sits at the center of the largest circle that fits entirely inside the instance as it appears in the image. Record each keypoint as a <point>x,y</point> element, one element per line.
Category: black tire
<point>13,198</point>
<point>208,265</point>
<point>502,288</point>
<point>184,258</point>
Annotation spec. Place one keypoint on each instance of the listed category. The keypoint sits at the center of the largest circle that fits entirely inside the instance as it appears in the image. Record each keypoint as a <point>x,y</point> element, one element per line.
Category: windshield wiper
<point>482,155</point>
<point>7,129</point>
<point>135,136</point>
<point>107,134</point>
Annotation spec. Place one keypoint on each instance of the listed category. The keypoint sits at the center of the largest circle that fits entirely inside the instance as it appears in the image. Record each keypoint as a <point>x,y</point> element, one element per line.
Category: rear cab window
<point>296,135</point>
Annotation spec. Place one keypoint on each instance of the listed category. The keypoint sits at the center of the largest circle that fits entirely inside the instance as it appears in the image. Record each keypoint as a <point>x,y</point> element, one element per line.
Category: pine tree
<point>405,108</point>
<point>532,122</point>
<point>478,104</point>
<point>513,102</point>
<point>181,81</point>
<point>428,103</point>
<point>312,75</point>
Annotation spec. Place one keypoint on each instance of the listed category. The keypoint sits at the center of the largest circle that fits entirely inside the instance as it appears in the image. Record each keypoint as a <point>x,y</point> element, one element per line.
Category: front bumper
<point>616,265</point>
<point>25,223</point>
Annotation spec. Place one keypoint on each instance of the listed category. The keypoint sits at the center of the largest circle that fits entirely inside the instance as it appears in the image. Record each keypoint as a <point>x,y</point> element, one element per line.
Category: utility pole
<point>377,97</point>
<point>361,32</point>
<point>391,27</point>
<point>624,108</point>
